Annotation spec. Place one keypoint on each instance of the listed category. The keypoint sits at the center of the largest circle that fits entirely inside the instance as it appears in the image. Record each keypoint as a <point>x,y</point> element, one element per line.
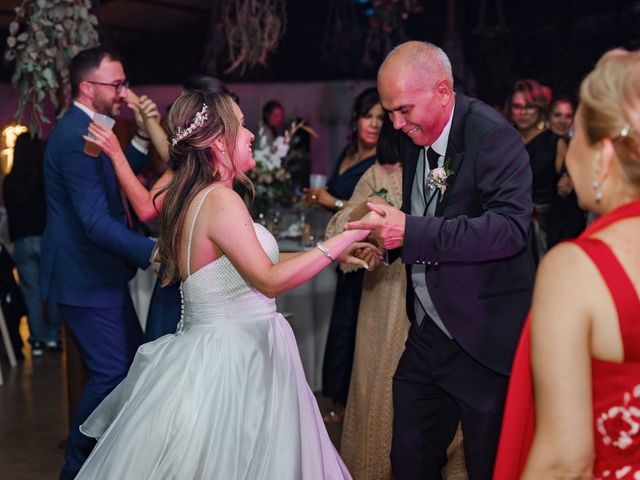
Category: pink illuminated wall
<point>325,105</point>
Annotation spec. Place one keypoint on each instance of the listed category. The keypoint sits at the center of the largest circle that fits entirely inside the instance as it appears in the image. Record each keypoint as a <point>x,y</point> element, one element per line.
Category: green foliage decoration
<point>42,39</point>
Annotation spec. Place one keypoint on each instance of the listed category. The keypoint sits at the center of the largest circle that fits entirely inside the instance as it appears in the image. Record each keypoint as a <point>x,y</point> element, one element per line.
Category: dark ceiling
<point>556,41</point>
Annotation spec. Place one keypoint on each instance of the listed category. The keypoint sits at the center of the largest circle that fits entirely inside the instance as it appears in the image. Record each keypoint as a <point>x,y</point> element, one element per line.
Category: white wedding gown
<point>225,398</point>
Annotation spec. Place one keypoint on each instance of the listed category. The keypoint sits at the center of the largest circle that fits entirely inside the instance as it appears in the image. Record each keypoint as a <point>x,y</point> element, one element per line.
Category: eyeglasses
<point>119,85</point>
<point>518,107</point>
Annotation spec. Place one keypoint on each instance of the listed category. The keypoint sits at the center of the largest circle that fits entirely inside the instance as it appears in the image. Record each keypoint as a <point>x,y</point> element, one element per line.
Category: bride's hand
<point>361,254</point>
<point>104,138</point>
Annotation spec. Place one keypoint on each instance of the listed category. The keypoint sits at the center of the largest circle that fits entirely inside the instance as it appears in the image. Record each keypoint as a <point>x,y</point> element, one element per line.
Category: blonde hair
<point>194,166</point>
<point>610,107</point>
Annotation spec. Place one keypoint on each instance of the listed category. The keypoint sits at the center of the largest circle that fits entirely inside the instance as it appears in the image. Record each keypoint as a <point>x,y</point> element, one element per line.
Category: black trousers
<point>436,385</point>
<point>341,339</point>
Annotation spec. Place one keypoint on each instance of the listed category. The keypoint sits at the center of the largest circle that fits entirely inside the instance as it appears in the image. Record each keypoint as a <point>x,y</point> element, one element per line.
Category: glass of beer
<point>92,149</point>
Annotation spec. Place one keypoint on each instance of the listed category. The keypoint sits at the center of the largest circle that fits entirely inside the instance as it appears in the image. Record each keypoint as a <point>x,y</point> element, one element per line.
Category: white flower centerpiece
<point>270,177</point>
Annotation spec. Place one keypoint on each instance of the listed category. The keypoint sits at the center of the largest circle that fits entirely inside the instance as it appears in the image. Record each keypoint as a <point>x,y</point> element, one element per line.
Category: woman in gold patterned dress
<point>381,333</point>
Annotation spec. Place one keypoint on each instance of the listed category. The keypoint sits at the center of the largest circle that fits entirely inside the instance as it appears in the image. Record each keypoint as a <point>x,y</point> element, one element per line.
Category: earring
<point>625,130</point>
<point>598,192</point>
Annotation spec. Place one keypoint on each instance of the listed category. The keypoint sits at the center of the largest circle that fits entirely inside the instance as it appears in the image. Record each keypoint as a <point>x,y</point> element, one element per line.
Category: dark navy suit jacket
<point>89,254</point>
<point>479,271</point>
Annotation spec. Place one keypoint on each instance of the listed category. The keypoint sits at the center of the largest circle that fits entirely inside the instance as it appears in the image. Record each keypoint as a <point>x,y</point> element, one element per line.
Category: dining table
<point>308,306</point>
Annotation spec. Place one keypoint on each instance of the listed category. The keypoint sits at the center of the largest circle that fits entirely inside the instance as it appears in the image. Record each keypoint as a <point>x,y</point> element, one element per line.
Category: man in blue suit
<point>89,252</point>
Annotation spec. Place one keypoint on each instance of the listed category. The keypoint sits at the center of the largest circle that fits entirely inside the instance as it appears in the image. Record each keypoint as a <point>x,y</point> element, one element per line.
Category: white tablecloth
<point>310,308</point>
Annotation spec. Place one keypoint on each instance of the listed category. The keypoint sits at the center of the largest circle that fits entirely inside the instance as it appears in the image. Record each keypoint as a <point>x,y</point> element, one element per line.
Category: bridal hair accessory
<point>198,121</point>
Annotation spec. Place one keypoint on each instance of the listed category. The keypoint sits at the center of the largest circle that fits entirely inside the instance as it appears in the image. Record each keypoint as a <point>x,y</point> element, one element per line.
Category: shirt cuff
<point>142,149</point>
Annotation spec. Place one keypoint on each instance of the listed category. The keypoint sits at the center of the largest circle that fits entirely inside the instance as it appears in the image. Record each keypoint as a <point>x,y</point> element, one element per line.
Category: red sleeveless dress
<point>616,386</point>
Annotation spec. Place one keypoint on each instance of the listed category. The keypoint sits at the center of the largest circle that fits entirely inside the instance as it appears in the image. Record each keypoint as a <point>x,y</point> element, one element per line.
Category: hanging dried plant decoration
<point>253,29</point>
<point>386,27</point>
<point>342,38</point>
<point>42,39</point>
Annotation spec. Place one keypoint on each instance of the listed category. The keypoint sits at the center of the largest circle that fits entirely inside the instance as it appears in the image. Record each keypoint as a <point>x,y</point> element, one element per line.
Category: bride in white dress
<point>225,397</point>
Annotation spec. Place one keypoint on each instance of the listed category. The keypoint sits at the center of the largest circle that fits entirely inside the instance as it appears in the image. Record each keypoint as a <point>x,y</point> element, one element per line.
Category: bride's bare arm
<point>561,358</point>
<point>139,197</point>
<point>230,228</point>
<point>353,255</point>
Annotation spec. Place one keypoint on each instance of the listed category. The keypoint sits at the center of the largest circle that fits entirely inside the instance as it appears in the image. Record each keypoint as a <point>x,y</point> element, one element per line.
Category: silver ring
<point>314,197</point>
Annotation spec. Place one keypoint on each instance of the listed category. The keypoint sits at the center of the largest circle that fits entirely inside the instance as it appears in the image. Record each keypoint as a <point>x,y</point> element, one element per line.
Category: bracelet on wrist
<point>324,251</point>
<point>143,137</point>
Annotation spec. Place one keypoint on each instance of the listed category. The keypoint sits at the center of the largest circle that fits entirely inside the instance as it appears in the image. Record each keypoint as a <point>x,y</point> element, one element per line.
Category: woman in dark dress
<point>528,109</point>
<point>360,154</point>
<point>567,220</point>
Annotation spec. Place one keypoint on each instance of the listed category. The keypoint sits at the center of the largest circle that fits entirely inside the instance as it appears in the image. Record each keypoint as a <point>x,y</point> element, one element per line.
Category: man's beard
<point>110,108</point>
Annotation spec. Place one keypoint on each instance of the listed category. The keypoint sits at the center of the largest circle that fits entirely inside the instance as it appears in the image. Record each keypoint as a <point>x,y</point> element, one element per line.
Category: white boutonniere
<point>438,177</point>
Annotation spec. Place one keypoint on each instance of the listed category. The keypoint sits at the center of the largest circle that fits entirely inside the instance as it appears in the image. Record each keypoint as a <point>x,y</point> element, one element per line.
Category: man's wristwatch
<point>339,204</point>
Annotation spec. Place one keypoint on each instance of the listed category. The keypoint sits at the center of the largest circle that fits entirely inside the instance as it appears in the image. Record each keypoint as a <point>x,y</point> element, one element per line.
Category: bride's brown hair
<point>194,165</point>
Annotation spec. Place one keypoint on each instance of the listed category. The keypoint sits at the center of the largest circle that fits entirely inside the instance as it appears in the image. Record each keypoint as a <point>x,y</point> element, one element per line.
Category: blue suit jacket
<point>88,253</point>
<point>478,269</point>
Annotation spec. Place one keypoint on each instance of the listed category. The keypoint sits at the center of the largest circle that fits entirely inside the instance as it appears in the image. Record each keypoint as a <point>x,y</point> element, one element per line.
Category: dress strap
<point>631,209</point>
<point>622,290</point>
<point>193,225</point>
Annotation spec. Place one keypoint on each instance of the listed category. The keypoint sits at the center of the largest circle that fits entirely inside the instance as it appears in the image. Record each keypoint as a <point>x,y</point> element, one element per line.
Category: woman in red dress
<point>578,363</point>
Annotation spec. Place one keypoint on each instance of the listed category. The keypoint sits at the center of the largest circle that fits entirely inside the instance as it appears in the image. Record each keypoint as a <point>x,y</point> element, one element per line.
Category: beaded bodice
<point>219,282</point>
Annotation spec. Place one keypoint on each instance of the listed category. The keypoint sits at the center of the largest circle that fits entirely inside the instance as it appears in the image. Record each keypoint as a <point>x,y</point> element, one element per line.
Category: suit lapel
<point>455,149</point>
<point>110,180</point>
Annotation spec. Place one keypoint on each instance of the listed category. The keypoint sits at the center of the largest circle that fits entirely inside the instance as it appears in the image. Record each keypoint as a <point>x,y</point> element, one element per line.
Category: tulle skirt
<point>227,399</point>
